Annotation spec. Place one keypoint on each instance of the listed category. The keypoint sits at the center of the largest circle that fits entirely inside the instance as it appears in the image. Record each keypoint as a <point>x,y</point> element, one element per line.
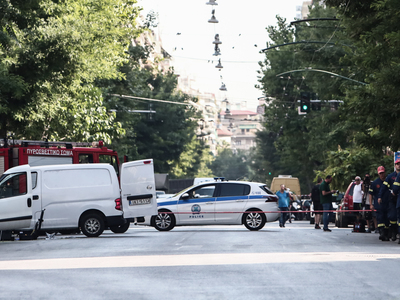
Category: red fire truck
<point>38,153</point>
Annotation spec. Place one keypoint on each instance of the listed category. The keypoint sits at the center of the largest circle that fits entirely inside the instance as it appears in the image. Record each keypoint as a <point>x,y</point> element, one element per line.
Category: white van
<point>68,197</point>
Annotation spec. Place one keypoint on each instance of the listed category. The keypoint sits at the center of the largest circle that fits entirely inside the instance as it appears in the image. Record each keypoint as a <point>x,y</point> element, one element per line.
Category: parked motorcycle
<point>297,208</point>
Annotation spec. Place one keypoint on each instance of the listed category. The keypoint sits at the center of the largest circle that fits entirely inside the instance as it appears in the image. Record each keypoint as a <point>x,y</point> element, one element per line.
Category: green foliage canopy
<point>374,30</point>
<point>293,144</point>
<point>168,136</point>
<point>357,137</point>
<point>51,52</point>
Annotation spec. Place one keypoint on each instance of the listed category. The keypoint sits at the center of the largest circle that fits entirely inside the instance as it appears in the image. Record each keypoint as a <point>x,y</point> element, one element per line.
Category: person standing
<point>366,203</point>
<point>283,203</point>
<point>358,193</point>
<point>387,197</point>
<point>326,200</point>
<point>315,198</point>
<point>396,191</point>
<point>381,212</point>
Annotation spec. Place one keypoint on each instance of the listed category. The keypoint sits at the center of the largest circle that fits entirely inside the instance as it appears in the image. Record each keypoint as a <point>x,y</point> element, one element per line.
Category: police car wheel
<point>92,225</point>
<point>254,220</point>
<point>164,221</point>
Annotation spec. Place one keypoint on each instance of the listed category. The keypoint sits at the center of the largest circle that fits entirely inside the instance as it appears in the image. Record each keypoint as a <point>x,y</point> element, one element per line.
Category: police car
<point>218,203</point>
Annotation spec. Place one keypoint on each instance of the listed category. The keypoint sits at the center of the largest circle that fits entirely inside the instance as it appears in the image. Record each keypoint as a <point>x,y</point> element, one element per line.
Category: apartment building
<point>243,125</point>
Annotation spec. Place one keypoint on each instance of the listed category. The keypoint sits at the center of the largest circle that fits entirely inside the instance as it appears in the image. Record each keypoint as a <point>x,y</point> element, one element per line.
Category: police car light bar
<point>219,178</point>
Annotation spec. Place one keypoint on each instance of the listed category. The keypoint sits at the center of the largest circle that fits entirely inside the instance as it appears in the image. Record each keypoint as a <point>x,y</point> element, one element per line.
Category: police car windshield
<point>184,190</point>
<point>190,187</point>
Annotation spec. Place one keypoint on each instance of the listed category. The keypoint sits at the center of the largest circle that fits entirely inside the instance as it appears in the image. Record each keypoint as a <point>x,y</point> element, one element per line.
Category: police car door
<point>16,199</point>
<point>197,205</point>
<point>231,200</point>
<point>138,189</point>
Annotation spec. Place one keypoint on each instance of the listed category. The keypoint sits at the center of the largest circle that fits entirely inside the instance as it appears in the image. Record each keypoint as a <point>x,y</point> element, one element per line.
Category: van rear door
<point>138,189</point>
<point>16,198</point>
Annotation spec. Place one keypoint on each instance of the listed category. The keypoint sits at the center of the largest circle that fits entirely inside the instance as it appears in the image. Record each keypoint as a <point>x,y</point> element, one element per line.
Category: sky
<point>188,37</point>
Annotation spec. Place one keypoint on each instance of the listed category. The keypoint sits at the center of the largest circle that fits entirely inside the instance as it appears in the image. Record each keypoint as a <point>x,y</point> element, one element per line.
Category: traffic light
<point>315,103</point>
<point>304,102</point>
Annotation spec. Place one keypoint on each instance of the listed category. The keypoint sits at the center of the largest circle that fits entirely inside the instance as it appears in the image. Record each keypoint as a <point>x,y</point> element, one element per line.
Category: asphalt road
<point>210,262</point>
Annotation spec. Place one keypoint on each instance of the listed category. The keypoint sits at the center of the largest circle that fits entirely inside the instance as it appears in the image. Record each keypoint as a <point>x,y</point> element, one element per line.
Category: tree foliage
<point>194,161</point>
<point>51,53</point>
<point>233,165</point>
<point>293,144</point>
<point>375,32</point>
<point>345,164</point>
<point>61,60</point>
<point>168,136</point>
<point>352,140</point>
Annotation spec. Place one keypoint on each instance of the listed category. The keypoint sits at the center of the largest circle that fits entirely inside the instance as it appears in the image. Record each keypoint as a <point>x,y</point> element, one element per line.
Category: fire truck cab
<point>39,153</point>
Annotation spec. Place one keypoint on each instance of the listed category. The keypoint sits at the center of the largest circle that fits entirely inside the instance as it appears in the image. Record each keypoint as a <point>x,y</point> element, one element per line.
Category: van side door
<point>138,189</point>
<point>16,199</point>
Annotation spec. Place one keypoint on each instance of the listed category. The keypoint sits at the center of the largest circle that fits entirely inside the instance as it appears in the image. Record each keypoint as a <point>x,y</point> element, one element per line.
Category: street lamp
<point>213,19</point>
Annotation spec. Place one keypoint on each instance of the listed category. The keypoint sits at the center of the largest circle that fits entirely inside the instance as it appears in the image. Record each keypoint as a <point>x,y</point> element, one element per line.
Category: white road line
<point>190,260</point>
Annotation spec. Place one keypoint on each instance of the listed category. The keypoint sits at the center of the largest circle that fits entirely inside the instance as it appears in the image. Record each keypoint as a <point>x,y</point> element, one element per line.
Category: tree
<point>232,165</point>
<point>345,164</point>
<point>164,135</point>
<point>362,133</point>
<point>51,53</point>
<point>294,144</point>
<point>193,162</point>
<point>375,32</point>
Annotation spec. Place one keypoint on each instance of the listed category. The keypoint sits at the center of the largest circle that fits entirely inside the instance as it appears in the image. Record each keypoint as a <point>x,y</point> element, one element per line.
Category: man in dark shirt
<point>326,200</point>
<point>317,203</point>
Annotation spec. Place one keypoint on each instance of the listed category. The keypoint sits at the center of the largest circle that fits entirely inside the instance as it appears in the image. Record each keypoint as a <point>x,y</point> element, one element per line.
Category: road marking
<point>191,260</point>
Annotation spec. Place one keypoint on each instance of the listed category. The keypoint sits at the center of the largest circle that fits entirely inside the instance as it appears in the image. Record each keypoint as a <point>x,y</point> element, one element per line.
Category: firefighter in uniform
<point>388,201</point>
<point>396,191</point>
<point>381,211</point>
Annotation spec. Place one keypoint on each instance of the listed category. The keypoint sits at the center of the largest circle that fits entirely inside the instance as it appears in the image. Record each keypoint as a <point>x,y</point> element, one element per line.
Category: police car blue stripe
<point>201,200</point>
<point>257,196</point>
<point>167,203</point>
<point>197,200</point>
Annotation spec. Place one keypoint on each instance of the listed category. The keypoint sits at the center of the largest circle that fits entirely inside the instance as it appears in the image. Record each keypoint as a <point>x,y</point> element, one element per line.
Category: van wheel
<point>120,228</point>
<point>92,225</point>
<point>164,221</point>
<point>254,220</point>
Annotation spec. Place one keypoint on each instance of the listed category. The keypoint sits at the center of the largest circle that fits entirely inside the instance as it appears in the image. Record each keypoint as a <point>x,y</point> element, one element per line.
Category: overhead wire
<point>333,34</point>
<point>312,59</point>
<point>227,61</point>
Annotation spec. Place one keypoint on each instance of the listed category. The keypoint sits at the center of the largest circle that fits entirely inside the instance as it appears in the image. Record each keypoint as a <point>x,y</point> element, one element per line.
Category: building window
<point>85,158</point>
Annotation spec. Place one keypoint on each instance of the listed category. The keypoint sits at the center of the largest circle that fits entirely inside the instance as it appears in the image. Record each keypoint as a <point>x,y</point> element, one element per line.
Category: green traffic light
<point>305,107</point>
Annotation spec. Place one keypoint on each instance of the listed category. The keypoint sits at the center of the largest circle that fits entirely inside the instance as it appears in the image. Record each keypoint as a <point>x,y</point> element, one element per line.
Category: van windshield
<point>14,184</point>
